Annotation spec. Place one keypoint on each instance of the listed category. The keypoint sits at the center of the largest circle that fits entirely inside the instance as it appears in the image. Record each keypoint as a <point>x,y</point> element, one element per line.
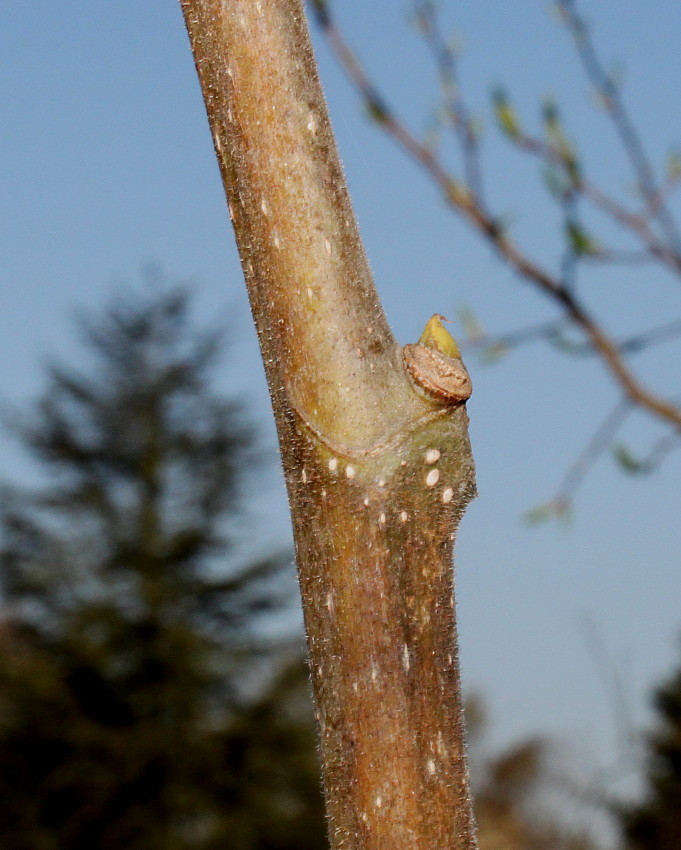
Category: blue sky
<point>106,165</point>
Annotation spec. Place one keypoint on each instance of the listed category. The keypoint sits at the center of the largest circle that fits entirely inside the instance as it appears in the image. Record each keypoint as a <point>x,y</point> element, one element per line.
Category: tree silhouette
<point>129,628</point>
<point>656,823</point>
<point>510,787</point>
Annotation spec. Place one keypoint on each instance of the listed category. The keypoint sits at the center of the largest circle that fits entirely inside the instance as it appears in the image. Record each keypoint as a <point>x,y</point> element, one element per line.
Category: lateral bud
<point>435,365</point>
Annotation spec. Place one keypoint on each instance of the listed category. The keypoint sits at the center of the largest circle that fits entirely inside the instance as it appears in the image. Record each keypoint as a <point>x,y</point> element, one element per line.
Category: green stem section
<point>378,474</point>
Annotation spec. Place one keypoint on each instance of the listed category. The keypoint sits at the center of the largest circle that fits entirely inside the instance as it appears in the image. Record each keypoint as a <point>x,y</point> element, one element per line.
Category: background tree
<point>123,714</point>
<point>131,644</point>
<point>655,824</point>
<point>524,797</point>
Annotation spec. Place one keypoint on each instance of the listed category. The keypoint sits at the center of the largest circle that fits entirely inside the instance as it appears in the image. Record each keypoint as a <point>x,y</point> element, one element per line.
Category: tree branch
<point>609,93</point>
<point>378,471</point>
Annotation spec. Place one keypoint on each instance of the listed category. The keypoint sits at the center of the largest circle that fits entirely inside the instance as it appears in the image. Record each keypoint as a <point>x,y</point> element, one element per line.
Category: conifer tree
<point>656,823</point>
<point>128,626</point>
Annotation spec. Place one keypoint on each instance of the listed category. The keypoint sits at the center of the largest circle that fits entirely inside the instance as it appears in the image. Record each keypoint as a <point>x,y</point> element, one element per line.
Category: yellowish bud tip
<point>436,336</point>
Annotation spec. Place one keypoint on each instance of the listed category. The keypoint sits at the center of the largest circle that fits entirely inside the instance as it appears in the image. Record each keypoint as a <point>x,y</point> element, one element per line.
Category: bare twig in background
<point>456,109</point>
<point>599,442</point>
<point>653,229</point>
<point>637,223</point>
<point>609,92</point>
<point>551,331</point>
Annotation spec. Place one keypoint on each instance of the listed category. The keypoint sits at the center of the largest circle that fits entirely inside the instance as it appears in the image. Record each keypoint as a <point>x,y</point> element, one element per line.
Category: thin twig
<point>653,336</point>
<point>516,338</point>
<point>634,222</point>
<point>598,443</point>
<point>552,332</point>
<point>609,92</point>
<point>445,62</point>
<point>569,263</point>
<point>660,450</point>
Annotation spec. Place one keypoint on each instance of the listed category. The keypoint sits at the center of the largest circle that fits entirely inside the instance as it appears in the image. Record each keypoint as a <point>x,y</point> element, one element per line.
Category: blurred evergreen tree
<point>127,631</point>
<point>656,823</point>
<point>512,789</point>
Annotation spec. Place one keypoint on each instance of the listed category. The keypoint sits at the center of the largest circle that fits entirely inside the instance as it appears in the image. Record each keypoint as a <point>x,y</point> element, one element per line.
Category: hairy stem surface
<point>378,473</point>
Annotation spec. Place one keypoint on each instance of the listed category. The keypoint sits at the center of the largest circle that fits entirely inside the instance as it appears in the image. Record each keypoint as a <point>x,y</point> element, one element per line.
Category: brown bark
<point>378,472</point>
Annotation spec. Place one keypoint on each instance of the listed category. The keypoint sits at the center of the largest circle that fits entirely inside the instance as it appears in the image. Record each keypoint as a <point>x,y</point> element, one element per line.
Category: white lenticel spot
<point>431,766</point>
<point>366,502</point>
<point>333,464</point>
<point>379,802</point>
<point>432,478</point>
<point>381,519</point>
<point>327,246</point>
<point>311,124</point>
<point>404,516</point>
<point>310,293</point>
<point>329,601</point>
<point>405,657</point>
<point>381,482</point>
<point>277,243</point>
<point>432,456</point>
<point>349,471</point>
<point>447,495</point>
<point>304,477</point>
<point>263,206</point>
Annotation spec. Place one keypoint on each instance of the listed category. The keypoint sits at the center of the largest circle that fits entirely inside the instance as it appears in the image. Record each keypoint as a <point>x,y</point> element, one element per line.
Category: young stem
<point>378,472</point>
